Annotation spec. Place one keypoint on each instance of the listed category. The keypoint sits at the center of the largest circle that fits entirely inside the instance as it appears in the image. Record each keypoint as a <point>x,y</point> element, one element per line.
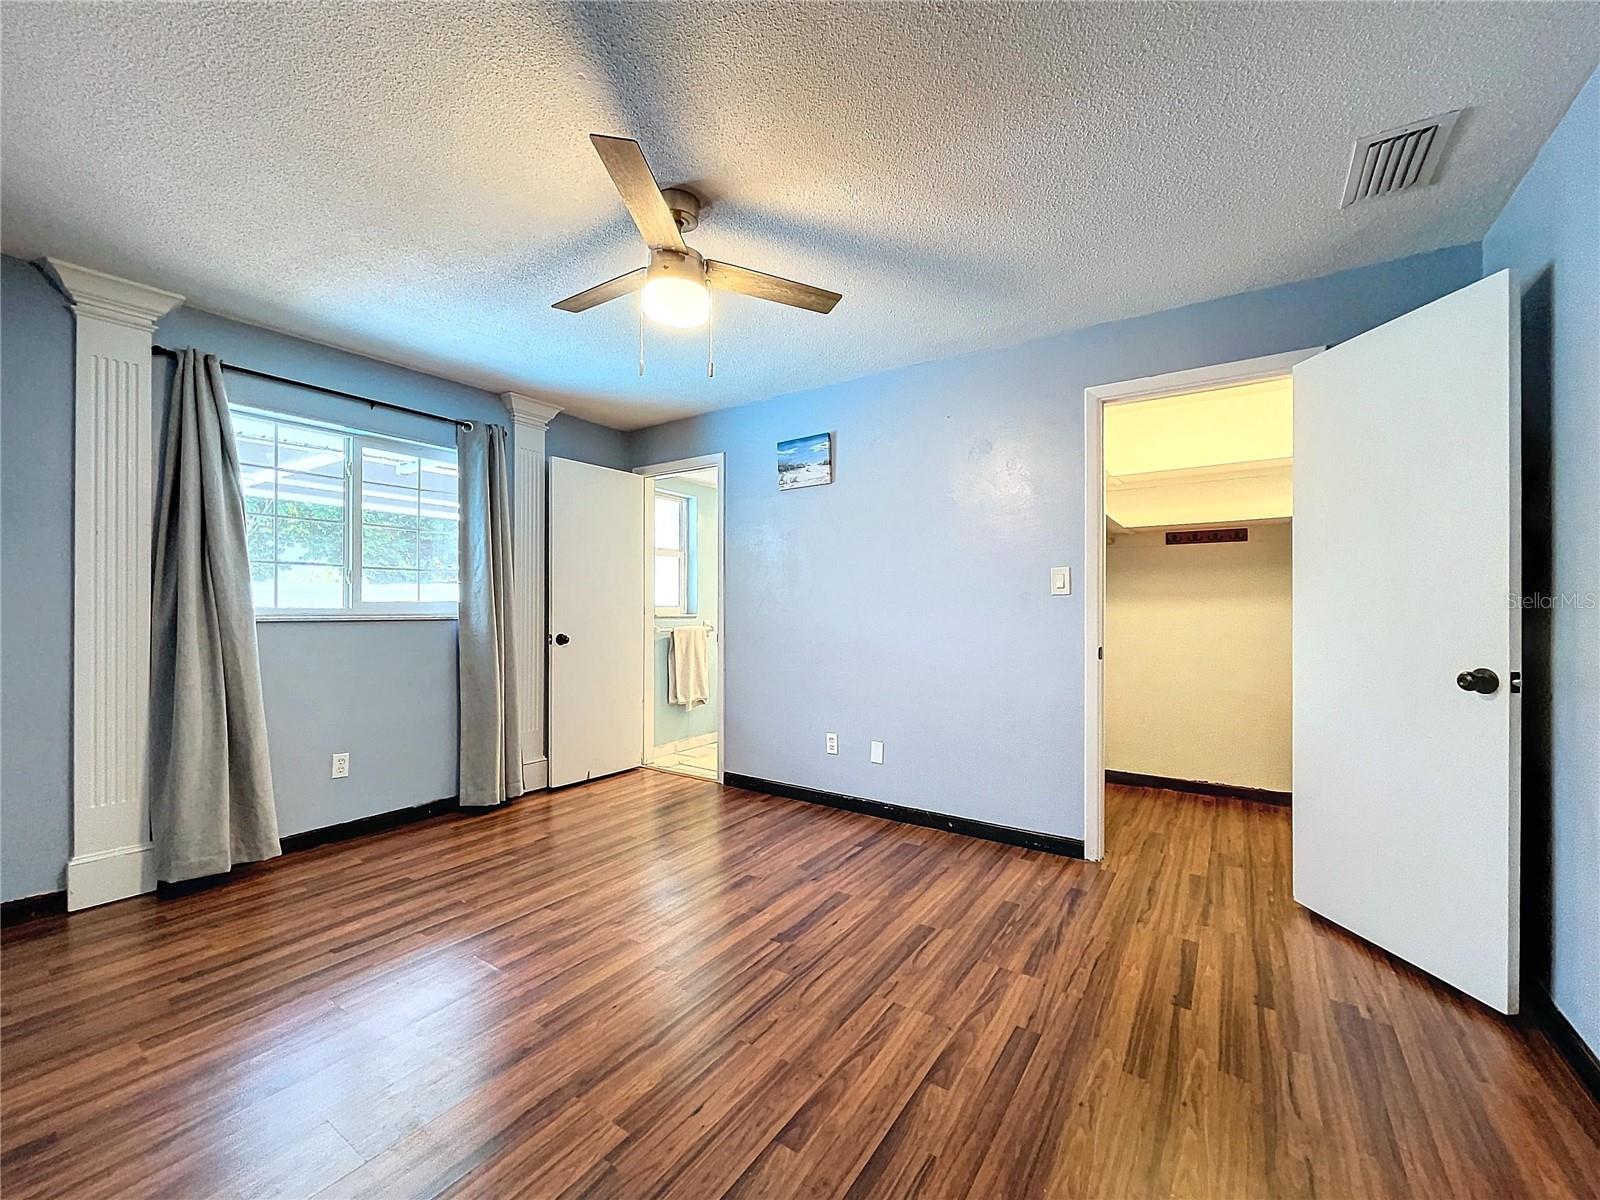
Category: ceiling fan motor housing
<point>684,207</point>
<point>678,264</point>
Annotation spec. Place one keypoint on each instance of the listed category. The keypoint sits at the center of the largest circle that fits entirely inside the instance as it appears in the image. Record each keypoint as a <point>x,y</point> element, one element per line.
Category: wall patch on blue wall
<point>805,461</point>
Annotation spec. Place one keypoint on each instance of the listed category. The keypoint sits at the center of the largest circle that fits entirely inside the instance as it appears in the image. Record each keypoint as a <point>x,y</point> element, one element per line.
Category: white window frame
<point>354,608</point>
<point>681,609</point>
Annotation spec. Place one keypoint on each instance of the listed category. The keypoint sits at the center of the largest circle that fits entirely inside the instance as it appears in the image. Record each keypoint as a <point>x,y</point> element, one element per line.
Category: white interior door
<point>596,606</point>
<point>1406,549</point>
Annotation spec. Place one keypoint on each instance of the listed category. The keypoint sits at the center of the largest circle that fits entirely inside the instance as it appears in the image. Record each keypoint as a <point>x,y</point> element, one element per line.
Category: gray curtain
<point>211,803</point>
<point>491,758</point>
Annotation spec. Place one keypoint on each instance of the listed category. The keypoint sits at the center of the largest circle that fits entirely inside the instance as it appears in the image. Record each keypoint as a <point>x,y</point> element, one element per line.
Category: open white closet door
<point>596,606</point>
<point>1407,649</point>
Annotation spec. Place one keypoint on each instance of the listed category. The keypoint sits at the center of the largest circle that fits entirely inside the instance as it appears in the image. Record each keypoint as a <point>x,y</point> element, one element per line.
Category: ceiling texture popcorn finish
<point>414,181</point>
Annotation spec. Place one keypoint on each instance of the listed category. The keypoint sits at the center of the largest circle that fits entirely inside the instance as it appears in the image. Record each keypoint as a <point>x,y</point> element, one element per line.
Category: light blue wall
<point>281,354</point>
<point>385,692</point>
<point>586,442</point>
<point>35,581</point>
<point>672,722</point>
<point>908,601</point>
<point>1549,234</point>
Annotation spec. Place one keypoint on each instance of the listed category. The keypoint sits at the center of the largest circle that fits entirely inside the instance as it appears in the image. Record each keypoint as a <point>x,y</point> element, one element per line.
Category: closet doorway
<point>1197,691</point>
<point>684,617</point>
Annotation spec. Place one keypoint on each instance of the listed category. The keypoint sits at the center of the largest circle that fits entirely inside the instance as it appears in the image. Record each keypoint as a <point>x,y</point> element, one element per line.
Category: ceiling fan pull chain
<point>711,340</point>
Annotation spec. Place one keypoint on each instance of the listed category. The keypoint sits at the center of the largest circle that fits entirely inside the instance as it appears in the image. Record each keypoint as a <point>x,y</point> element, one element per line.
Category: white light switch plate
<point>341,766</point>
<point>877,752</point>
<point>1061,581</point>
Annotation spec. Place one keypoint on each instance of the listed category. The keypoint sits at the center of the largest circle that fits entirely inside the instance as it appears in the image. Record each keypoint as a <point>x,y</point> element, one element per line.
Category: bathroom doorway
<point>683,617</point>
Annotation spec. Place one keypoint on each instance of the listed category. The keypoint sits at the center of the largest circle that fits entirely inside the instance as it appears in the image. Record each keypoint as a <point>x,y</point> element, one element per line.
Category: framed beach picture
<point>805,461</point>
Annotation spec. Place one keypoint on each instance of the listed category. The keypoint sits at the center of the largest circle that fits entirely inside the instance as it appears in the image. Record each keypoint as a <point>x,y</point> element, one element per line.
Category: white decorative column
<point>113,513</point>
<point>531,418</point>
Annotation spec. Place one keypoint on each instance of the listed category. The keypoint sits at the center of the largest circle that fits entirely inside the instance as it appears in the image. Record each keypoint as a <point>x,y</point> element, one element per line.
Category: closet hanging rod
<point>167,352</point>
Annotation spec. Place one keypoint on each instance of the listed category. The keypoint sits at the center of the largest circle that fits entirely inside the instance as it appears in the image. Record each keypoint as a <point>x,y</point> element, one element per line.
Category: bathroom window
<point>673,564</point>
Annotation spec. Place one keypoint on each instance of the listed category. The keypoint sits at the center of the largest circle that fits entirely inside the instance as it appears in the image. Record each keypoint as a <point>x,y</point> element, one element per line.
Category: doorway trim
<point>1095,400</point>
<point>647,609</point>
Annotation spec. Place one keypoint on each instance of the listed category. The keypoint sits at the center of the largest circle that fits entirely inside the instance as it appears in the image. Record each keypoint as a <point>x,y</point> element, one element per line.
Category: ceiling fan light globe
<point>676,301</point>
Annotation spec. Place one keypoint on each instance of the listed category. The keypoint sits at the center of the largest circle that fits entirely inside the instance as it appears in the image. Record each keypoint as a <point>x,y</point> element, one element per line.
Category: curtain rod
<point>317,387</point>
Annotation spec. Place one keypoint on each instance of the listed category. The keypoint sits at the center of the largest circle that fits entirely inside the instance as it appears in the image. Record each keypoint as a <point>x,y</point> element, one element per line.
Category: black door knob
<point>562,639</point>
<point>1482,680</point>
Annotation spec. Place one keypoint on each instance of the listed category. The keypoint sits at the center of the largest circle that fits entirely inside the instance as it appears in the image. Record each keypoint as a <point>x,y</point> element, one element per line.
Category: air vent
<point>1397,160</point>
<point>1206,537</point>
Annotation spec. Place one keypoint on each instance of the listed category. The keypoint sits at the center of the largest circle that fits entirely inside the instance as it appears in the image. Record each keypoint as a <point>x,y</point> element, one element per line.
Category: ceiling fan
<point>674,287</point>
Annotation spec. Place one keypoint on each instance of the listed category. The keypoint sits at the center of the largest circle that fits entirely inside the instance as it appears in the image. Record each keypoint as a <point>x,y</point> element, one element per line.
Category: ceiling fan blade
<point>601,292</point>
<point>625,163</point>
<point>746,282</point>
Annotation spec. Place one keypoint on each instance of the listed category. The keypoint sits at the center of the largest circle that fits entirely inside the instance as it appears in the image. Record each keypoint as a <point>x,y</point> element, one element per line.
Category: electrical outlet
<point>877,752</point>
<point>341,765</point>
<point>833,743</point>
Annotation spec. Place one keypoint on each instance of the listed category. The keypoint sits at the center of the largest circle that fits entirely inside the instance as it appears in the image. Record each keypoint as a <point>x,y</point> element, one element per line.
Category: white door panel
<point>596,607</point>
<point>1406,549</point>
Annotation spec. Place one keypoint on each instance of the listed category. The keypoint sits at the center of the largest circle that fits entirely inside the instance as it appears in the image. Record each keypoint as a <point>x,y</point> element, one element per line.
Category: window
<point>343,522</point>
<point>672,555</point>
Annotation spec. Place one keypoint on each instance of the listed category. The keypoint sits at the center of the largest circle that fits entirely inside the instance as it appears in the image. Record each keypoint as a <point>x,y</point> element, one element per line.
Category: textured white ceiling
<point>415,181</point>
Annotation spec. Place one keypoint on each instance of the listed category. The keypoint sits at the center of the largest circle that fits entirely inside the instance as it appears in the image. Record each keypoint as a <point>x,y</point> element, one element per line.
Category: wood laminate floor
<point>652,986</point>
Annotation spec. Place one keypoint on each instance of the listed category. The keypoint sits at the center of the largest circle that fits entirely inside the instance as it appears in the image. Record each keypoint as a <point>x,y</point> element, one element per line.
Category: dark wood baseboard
<point>1198,787</point>
<point>14,912</point>
<point>1580,1056</point>
<point>1050,843</point>
<point>376,823</point>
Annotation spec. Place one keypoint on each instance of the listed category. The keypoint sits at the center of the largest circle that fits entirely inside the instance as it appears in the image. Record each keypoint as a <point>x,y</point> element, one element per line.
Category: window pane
<point>409,527</point>
<point>439,477</point>
<point>310,542</point>
<point>669,527</point>
<point>261,576</point>
<point>389,467</point>
<point>387,546</point>
<point>385,505</point>
<point>388,587</point>
<point>310,587</point>
<point>445,508</point>
<point>440,585</point>
<point>255,440</point>
<point>258,539</point>
<point>317,497</point>
<point>258,480</point>
<point>310,451</point>
<point>440,546</point>
<point>668,568</point>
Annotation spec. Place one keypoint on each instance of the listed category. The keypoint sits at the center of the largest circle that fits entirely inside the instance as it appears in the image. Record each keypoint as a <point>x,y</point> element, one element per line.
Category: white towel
<point>689,668</point>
